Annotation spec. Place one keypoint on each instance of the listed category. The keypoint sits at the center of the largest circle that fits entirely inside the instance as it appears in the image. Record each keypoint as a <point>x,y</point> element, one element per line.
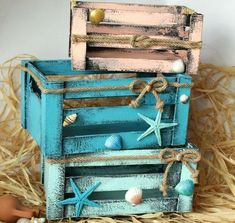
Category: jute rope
<point>167,155</point>
<point>137,41</point>
<point>155,86</point>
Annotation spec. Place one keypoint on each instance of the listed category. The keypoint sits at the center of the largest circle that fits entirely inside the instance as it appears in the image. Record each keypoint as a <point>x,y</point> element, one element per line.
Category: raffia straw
<point>211,128</point>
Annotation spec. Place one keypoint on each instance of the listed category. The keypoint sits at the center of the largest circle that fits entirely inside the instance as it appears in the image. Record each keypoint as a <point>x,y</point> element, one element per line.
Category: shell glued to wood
<point>185,188</point>
<point>33,220</point>
<point>134,195</point>
<point>70,120</point>
<point>114,142</point>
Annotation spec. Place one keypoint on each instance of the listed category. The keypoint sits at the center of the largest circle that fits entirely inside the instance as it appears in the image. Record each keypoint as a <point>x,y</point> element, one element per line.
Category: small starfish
<point>155,126</point>
<point>80,199</point>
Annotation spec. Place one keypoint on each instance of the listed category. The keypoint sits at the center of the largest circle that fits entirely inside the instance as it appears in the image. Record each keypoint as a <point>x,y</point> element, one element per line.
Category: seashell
<point>184,98</point>
<point>34,220</point>
<point>134,195</point>
<point>114,142</point>
<point>70,120</point>
<point>185,187</point>
<point>178,66</point>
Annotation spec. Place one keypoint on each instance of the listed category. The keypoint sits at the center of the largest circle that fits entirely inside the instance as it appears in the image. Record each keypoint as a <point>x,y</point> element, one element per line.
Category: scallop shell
<point>178,66</point>
<point>134,195</point>
<point>184,98</point>
<point>70,120</point>
<point>114,142</point>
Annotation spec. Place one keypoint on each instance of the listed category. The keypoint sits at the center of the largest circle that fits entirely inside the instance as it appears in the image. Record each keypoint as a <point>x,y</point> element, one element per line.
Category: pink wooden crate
<point>126,21</point>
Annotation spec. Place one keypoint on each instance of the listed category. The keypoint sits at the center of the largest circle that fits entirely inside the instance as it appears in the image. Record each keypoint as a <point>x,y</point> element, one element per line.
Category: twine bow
<point>155,86</point>
<point>186,157</point>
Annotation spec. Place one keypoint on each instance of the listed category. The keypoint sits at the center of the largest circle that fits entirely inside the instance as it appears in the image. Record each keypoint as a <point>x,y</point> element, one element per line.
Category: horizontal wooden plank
<point>113,115</point>
<point>121,207</point>
<point>136,54</point>
<point>108,82</point>
<point>132,7</point>
<point>133,152</point>
<point>112,183</point>
<point>95,143</point>
<point>167,31</point>
<point>124,64</point>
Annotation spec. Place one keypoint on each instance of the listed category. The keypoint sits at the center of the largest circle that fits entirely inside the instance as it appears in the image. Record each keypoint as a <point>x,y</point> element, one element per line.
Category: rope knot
<point>155,86</point>
<point>187,157</point>
<point>139,41</point>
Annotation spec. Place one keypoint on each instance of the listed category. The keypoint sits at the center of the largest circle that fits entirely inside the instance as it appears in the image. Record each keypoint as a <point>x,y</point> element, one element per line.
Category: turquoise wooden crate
<point>44,111</point>
<point>101,181</point>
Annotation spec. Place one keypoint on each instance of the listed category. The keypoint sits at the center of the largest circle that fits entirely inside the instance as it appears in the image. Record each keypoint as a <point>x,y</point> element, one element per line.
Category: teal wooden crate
<point>43,111</point>
<point>101,181</point>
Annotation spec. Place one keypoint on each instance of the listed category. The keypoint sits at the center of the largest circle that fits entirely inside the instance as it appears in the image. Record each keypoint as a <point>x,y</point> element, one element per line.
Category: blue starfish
<point>80,199</point>
<point>155,126</point>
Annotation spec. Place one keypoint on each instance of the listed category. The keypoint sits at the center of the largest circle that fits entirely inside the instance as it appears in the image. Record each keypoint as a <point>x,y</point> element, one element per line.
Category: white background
<point>41,28</point>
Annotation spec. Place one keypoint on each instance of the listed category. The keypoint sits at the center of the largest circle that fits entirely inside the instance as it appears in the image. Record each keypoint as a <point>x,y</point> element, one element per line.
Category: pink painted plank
<point>137,54</point>
<point>195,35</point>
<point>170,31</point>
<point>132,7</point>
<point>127,64</point>
<point>78,50</point>
<point>143,18</point>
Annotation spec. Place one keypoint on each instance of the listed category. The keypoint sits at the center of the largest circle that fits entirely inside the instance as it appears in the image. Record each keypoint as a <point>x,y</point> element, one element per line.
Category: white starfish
<point>155,126</point>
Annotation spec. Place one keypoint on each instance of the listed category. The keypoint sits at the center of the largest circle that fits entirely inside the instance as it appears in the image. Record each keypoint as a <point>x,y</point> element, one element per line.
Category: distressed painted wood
<point>44,114</point>
<point>127,20</point>
<point>110,195</point>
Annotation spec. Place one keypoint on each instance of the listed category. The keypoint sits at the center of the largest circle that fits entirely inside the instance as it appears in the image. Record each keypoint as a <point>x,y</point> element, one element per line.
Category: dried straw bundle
<point>211,128</point>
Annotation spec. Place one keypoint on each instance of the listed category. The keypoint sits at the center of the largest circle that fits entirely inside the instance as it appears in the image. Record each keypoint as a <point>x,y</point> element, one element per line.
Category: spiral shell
<point>70,120</point>
<point>134,195</point>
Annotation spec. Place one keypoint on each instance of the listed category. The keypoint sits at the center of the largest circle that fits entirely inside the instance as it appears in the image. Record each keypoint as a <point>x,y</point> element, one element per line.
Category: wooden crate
<point>113,178</point>
<point>101,114</point>
<point>129,22</point>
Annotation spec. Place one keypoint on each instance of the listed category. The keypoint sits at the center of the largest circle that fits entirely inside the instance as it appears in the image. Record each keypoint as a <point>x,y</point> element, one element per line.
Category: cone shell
<point>114,142</point>
<point>134,196</point>
<point>70,120</point>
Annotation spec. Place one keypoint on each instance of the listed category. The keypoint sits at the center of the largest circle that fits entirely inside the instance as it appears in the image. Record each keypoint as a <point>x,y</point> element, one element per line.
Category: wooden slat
<point>136,54</point>
<point>133,152</point>
<point>121,207</point>
<point>78,51</point>
<point>108,82</point>
<point>195,35</point>
<point>132,7</point>
<point>170,31</point>
<point>112,115</point>
<point>112,183</point>
<point>95,143</point>
<point>124,64</point>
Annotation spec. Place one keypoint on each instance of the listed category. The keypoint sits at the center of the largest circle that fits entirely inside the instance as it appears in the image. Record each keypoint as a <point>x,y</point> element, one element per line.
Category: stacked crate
<point>111,129</point>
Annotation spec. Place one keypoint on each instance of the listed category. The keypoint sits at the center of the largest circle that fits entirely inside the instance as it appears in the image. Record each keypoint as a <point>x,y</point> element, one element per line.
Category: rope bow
<point>155,86</point>
<point>186,157</point>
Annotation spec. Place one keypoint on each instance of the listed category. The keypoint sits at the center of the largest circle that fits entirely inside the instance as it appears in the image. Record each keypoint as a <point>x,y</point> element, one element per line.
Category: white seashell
<point>178,66</point>
<point>134,195</point>
<point>34,220</point>
<point>184,98</point>
<point>70,120</point>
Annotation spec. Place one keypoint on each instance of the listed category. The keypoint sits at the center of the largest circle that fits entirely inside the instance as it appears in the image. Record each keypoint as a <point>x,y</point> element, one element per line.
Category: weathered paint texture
<point>126,20</point>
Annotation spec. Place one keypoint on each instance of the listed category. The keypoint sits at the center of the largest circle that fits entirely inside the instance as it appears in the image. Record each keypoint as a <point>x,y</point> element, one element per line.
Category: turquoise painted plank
<point>107,82</point>
<point>95,143</point>
<point>121,207</point>
<point>54,189</point>
<point>52,119</point>
<point>33,112</point>
<point>181,112</point>
<point>111,115</point>
<point>24,94</point>
<point>138,152</point>
<point>112,183</point>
